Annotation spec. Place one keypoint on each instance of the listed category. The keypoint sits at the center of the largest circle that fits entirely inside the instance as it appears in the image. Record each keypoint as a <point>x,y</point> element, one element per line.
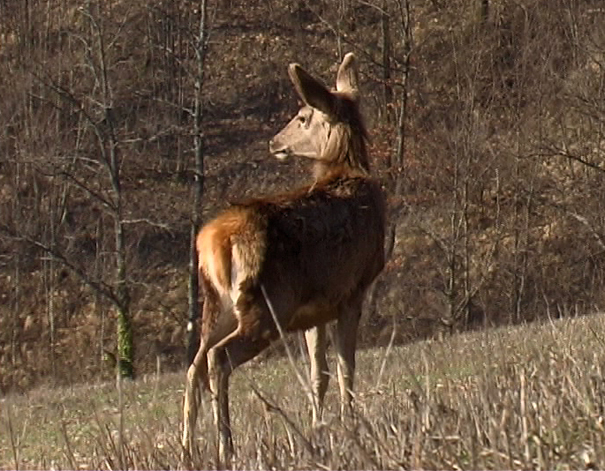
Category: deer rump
<point>312,252</point>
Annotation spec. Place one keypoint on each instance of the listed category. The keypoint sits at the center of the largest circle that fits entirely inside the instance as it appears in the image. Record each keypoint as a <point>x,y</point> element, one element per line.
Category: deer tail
<point>231,249</point>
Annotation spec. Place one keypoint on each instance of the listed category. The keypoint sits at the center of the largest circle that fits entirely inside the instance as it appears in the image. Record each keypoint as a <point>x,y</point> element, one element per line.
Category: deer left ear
<point>346,78</point>
<point>312,91</point>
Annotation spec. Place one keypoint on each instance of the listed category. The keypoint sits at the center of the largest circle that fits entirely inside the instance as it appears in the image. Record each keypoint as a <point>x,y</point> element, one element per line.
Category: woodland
<point>125,125</point>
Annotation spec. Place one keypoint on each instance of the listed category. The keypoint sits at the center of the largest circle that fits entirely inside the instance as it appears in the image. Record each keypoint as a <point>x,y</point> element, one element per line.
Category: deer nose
<point>273,146</point>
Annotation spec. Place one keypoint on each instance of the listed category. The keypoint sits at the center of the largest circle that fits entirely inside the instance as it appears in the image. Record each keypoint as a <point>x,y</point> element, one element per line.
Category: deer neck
<point>349,161</point>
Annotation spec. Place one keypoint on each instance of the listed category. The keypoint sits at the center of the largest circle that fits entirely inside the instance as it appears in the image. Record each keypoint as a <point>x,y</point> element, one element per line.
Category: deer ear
<point>346,78</point>
<point>311,91</point>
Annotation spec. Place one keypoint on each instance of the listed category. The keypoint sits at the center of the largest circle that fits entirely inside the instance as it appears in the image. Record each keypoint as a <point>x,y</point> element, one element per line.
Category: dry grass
<point>524,397</point>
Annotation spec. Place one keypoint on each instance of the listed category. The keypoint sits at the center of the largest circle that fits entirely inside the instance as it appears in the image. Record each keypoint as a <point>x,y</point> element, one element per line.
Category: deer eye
<point>302,119</point>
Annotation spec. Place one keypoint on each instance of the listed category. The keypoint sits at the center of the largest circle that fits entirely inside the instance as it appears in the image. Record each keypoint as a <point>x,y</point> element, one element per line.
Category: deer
<point>294,261</point>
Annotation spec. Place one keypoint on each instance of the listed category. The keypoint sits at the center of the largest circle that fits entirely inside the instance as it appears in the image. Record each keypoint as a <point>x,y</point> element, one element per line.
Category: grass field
<point>514,398</point>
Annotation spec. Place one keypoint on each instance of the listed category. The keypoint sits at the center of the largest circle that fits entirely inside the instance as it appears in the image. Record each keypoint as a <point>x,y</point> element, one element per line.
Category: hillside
<point>526,397</point>
<point>486,122</point>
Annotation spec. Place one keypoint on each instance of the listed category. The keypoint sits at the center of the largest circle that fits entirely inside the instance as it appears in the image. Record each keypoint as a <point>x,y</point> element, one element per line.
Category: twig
<point>69,452</point>
<point>304,384</point>
<point>386,354</point>
<point>291,426</point>
<point>11,434</point>
<point>97,286</point>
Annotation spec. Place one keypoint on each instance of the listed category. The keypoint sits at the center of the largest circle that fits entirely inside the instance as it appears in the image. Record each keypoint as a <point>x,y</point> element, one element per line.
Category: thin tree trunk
<point>109,143</point>
<point>397,170</point>
<point>387,89</point>
<point>401,125</point>
<point>198,192</point>
<point>484,11</point>
<point>50,286</point>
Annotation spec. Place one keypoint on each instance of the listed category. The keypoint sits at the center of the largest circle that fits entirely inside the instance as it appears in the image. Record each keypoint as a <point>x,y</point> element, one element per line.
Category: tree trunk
<point>387,89</point>
<point>110,147</point>
<point>125,343</point>
<point>198,191</point>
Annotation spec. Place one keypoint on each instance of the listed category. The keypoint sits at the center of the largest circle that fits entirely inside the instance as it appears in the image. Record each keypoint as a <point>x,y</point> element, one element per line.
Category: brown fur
<point>233,238</point>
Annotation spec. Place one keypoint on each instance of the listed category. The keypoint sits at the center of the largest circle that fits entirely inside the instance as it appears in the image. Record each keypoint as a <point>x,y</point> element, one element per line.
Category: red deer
<point>294,261</point>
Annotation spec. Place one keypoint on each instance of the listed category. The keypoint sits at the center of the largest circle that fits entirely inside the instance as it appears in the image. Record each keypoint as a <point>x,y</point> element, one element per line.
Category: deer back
<point>318,248</point>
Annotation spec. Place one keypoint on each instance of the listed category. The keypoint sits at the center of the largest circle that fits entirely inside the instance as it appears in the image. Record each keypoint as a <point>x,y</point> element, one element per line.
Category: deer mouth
<point>279,150</point>
<point>281,155</point>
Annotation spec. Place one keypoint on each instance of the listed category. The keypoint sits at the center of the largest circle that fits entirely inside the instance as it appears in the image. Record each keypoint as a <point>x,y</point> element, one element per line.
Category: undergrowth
<point>516,398</point>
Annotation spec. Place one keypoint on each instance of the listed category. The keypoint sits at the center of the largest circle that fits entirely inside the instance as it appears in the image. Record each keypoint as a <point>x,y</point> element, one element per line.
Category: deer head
<point>328,128</point>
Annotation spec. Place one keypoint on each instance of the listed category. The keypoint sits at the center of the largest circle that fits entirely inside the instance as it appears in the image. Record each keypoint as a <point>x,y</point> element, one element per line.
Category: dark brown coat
<point>293,261</point>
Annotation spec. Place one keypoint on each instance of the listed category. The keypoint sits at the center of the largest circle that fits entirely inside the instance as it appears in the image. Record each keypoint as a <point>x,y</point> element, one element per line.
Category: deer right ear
<point>311,91</point>
<point>346,78</point>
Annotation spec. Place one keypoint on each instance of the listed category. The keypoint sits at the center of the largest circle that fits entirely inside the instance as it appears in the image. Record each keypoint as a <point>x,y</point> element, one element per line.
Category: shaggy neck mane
<point>346,152</point>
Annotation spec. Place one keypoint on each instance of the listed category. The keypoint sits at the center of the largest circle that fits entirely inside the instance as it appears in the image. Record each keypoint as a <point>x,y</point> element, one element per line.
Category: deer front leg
<point>316,345</point>
<point>346,343</point>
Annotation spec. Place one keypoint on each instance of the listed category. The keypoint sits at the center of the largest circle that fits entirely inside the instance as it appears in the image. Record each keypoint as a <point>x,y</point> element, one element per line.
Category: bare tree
<point>201,44</point>
<point>97,117</point>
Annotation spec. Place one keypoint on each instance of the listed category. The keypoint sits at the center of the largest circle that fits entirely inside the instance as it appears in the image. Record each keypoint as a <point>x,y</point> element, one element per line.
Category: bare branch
<point>149,222</point>
<point>98,286</point>
<point>554,152</point>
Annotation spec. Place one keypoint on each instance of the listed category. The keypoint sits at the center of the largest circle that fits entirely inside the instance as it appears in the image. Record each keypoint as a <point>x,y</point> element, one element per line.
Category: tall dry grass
<point>515,398</point>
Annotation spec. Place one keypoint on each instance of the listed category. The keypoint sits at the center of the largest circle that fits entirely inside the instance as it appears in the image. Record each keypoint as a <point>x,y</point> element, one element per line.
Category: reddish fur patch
<point>234,241</point>
<point>214,255</point>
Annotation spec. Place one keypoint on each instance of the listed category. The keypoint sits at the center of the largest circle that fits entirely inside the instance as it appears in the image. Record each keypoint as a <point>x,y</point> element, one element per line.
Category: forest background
<point>124,125</point>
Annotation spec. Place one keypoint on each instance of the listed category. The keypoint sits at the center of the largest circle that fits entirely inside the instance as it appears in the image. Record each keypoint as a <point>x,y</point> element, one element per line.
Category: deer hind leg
<point>224,358</point>
<point>196,371</point>
<point>219,385</point>
<point>316,345</point>
<point>255,330</point>
<point>346,343</point>
<point>214,329</point>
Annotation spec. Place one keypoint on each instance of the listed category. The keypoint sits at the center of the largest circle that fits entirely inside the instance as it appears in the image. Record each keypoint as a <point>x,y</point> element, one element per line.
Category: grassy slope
<point>524,397</point>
